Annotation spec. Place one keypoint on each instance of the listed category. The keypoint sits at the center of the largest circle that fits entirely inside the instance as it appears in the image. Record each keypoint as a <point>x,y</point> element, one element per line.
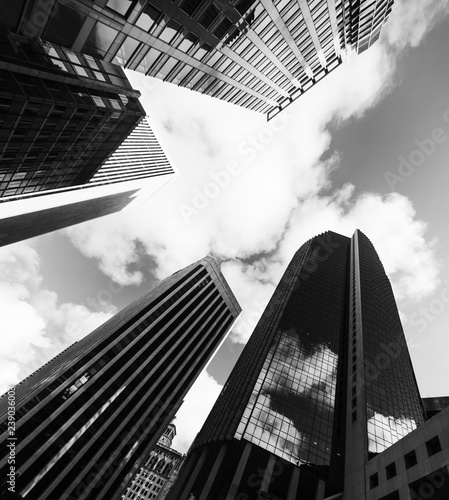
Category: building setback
<point>259,54</point>
<point>324,384</point>
<point>88,417</point>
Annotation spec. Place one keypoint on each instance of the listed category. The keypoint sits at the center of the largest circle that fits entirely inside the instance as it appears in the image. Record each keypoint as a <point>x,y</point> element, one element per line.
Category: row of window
<point>433,446</point>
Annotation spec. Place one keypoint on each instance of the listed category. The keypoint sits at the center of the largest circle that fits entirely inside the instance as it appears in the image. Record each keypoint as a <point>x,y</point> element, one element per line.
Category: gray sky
<point>321,165</point>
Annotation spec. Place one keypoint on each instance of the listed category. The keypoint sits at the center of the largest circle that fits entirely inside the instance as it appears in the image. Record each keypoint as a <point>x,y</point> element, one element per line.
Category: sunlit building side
<point>259,54</point>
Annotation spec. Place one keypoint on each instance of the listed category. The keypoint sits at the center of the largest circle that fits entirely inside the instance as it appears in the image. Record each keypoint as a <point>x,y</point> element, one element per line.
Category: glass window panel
<point>80,70</point>
<point>100,40</point>
<point>167,67</point>
<point>98,101</point>
<point>60,64</point>
<point>91,62</point>
<point>99,76</point>
<point>148,60</point>
<point>125,51</point>
<point>10,11</point>
<point>170,31</point>
<point>64,26</point>
<point>120,6</point>
<point>186,45</point>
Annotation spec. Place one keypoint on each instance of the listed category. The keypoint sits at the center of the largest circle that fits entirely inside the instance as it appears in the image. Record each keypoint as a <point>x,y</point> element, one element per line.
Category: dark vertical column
<point>183,476</point>
<point>213,473</point>
<point>293,486</point>
<point>239,472</point>
<point>199,465</point>
<point>356,432</point>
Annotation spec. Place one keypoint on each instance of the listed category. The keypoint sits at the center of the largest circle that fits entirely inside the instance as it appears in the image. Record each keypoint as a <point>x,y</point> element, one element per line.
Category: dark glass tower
<point>86,419</point>
<point>259,54</point>
<point>62,115</point>
<point>324,384</point>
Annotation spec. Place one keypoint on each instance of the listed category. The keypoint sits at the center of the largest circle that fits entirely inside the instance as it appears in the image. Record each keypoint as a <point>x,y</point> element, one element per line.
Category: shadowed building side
<point>88,417</point>
<point>324,384</point>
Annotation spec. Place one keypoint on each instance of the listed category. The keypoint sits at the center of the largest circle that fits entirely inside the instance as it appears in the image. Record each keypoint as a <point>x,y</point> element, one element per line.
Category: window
<point>391,470</point>
<point>410,459</point>
<point>119,6</point>
<point>100,40</point>
<point>63,26</point>
<point>374,481</point>
<point>433,446</point>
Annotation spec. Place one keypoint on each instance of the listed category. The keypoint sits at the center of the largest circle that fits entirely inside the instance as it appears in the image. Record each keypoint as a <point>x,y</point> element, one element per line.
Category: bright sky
<point>365,148</point>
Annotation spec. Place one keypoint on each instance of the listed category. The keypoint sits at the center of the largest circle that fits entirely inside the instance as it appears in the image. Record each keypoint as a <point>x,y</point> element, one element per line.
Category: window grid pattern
<point>92,421</point>
<point>181,42</point>
<point>138,157</point>
<point>393,404</point>
<point>50,124</point>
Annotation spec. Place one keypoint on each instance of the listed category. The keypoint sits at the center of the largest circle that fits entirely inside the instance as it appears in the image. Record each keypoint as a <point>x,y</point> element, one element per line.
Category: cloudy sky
<point>366,148</point>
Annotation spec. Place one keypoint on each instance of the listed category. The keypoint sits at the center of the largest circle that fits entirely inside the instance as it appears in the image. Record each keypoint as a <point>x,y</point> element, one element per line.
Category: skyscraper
<point>87,418</point>
<point>76,144</point>
<point>137,169</point>
<point>324,384</point>
<point>61,116</point>
<point>260,54</point>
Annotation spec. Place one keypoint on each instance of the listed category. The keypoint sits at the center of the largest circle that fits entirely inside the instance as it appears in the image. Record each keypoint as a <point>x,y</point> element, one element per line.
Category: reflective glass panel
<point>125,51</point>
<point>100,40</point>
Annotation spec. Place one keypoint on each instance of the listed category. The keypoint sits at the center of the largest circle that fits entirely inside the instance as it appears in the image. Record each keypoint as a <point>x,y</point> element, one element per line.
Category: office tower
<point>259,54</point>
<point>87,418</point>
<point>76,144</point>
<point>136,170</point>
<point>158,472</point>
<point>324,384</point>
<point>61,116</point>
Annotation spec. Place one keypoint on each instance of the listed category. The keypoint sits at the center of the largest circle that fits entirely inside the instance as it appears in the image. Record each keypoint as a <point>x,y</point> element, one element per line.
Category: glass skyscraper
<point>324,384</point>
<point>87,418</point>
<point>260,54</point>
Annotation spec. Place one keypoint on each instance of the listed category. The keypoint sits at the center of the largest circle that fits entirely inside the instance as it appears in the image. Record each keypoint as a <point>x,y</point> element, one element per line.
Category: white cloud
<point>411,21</point>
<point>194,410</point>
<point>35,327</point>
<point>387,429</point>
<point>280,198</point>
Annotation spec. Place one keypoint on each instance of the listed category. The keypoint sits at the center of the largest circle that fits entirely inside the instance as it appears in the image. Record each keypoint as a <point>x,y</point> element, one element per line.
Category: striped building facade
<point>87,418</point>
<point>259,54</point>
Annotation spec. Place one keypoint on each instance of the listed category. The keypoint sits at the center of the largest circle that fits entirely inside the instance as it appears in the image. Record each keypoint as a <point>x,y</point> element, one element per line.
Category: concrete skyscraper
<point>324,384</point>
<point>87,418</point>
<point>260,54</point>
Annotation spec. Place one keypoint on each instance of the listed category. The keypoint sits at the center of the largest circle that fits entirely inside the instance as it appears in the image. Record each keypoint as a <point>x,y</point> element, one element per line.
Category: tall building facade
<point>136,170</point>
<point>154,479</point>
<point>62,115</point>
<point>75,142</point>
<point>324,384</point>
<point>87,418</point>
<point>260,54</point>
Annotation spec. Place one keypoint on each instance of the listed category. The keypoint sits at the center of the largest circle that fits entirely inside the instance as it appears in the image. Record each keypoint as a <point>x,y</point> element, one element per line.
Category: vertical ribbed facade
<point>259,54</point>
<point>61,116</point>
<point>140,156</point>
<point>323,385</point>
<point>88,417</point>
